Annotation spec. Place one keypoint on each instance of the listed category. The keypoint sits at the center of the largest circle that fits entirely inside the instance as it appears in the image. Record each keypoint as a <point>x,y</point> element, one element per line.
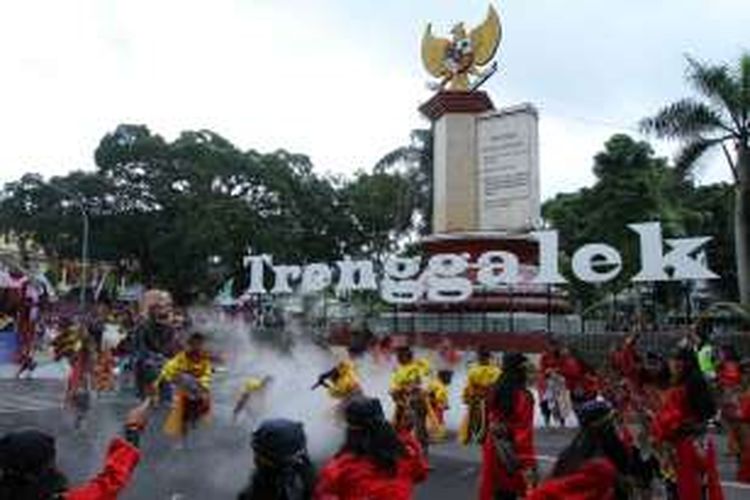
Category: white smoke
<point>293,372</point>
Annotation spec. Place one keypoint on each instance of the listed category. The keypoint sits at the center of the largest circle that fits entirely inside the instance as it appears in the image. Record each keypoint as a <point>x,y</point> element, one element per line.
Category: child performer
<point>252,385</point>
<point>190,371</point>
<point>437,398</point>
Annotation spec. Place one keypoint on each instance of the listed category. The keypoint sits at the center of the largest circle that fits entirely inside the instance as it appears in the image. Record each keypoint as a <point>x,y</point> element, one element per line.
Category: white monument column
<point>455,170</point>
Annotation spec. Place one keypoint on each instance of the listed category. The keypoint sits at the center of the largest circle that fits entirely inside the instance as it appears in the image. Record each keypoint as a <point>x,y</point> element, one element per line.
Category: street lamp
<point>78,202</point>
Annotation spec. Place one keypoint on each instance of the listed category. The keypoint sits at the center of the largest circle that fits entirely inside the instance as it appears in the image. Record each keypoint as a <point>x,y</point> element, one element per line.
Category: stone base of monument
<point>509,317</point>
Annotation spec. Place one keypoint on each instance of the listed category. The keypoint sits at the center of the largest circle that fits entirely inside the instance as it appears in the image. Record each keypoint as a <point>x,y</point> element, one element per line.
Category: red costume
<point>594,480</point>
<point>520,426</point>
<point>582,383</point>
<point>122,457</point>
<point>694,456</point>
<point>729,379</point>
<point>625,361</point>
<point>730,375</point>
<point>351,477</point>
<point>743,471</point>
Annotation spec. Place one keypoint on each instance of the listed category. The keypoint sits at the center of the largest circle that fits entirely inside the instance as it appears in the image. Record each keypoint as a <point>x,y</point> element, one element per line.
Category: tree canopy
<point>632,185</point>
<point>186,212</point>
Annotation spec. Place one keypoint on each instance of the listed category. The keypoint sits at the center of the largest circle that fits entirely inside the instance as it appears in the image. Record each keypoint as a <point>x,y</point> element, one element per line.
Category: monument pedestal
<point>486,198</point>
<point>524,296</point>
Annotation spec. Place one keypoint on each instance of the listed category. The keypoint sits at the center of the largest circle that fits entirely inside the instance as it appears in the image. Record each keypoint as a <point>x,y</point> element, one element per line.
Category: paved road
<point>216,462</point>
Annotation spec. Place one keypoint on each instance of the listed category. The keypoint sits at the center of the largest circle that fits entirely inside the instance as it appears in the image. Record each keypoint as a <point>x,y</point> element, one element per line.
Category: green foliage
<point>185,213</point>
<point>632,185</point>
<point>711,214</point>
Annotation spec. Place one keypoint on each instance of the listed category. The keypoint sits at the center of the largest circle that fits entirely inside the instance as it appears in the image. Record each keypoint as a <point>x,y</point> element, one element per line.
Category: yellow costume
<point>67,343</point>
<point>181,414</point>
<point>346,381</point>
<point>410,374</point>
<point>480,379</point>
<point>437,396</point>
<point>251,386</point>
<point>199,368</point>
<point>413,411</point>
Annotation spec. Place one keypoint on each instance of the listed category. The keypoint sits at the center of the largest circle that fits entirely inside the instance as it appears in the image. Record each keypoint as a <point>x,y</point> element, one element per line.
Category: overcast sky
<point>337,80</point>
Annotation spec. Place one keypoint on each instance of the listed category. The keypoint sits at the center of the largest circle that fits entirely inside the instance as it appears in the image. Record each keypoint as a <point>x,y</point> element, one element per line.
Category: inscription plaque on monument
<point>508,169</point>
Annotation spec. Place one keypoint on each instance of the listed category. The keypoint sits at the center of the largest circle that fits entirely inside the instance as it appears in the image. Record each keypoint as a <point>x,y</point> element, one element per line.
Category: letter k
<point>681,259</point>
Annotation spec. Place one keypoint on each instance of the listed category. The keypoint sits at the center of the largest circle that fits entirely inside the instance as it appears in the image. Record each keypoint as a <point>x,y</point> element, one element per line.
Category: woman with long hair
<point>508,461</point>
<point>596,465</point>
<point>729,385</point>
<point>679,429</point>
<point>375,462</point>
<point>283,470</point>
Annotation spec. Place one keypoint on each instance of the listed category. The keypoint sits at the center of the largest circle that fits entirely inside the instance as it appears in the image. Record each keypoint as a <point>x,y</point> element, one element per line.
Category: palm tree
<point>720,118</point>
<point>417,158</point>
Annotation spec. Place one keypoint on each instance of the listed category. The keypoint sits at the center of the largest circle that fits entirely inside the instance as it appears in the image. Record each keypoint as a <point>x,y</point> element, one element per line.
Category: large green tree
<point>719,118</point>
<point>632,185</point>
<point>185,212</point>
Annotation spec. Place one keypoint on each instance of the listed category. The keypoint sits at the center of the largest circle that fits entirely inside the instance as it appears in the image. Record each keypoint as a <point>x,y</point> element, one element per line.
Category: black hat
<point>513,360</point>
<point>483,351</point>
<point>445,376</point>
<point>363,411</point>
<point>197,337</point>
<point>594,412</point>
<point>27,451</point>
<point>279,441</point>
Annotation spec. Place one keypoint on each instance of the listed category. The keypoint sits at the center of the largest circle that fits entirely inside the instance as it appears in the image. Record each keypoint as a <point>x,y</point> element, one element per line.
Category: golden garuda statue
<point>454,60</point>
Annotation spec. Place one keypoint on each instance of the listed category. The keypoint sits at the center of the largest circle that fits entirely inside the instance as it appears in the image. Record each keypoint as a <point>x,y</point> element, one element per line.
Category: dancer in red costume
<point>595,466</point>
<point>739,418</point>
<point>28,469</point>
<point>375,462</point>
<point>680,430</point>
<point>580,379</point>
<point>729,381</point>
<point>625,361</point>
<point>508,462</point>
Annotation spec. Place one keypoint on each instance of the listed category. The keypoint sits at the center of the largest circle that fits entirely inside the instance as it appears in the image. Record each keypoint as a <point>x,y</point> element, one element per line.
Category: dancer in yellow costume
<point>412,412</point>
<point>341,382</point>
<point>481,376</point>
<point>190,373</point>
<point>438,400</point>
<point>251,386</point>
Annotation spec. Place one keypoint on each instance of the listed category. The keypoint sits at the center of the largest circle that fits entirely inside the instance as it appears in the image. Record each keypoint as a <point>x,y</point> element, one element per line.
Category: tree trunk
<point>742,225</point>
